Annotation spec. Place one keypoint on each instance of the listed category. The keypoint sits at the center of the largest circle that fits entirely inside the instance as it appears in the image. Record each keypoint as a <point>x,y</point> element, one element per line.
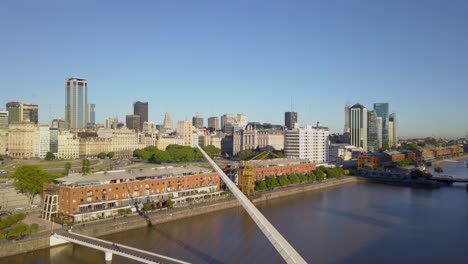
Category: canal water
<point>355,223</point>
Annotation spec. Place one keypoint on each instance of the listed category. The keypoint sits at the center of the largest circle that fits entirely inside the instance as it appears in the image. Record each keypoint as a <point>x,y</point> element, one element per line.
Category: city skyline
<point>413,63</point>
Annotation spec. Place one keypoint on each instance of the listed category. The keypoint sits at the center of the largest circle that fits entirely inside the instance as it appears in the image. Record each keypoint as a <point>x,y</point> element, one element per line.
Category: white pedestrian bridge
<point>110,248</point>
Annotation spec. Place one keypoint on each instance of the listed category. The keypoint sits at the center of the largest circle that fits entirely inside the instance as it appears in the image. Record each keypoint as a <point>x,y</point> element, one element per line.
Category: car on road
<point>35,206</point>
<point>19,208</point>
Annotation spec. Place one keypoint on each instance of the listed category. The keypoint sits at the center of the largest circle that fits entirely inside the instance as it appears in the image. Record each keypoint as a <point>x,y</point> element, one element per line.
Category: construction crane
<point>247,172</point>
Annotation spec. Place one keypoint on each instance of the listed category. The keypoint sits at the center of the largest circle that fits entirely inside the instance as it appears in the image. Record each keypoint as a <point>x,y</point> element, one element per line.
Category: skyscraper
<point>373,131</point>
<point>382,111</point>
<point>346,122</point>
<point>141,109</point>
<point>358,126</point>
<point>197,121</point>
<point>392,131</point>
<point>213,123</point>
<point>91,115</point>
<point>290,119</point>
<point>76,102</point>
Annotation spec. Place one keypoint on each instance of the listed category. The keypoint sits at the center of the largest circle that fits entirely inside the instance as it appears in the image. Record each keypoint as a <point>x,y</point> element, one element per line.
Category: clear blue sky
<point>252,56</point>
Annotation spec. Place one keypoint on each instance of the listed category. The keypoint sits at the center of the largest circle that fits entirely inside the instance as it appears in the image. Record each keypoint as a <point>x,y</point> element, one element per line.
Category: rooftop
<point>133,174</point>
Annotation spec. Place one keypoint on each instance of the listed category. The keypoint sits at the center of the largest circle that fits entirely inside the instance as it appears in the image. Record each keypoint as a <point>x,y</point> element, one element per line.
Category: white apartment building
<point>44,141</point>
<point>308,142</point>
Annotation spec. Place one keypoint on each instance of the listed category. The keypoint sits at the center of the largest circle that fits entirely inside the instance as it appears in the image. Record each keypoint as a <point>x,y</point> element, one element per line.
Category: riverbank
<point>112,226</point>
<point>451,159</point>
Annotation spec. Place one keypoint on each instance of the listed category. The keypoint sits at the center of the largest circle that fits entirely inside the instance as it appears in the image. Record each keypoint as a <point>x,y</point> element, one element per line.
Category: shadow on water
<point>205,257</point>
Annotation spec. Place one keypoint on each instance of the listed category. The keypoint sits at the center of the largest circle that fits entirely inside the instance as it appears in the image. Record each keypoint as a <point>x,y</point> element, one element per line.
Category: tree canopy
<point>245,154</point>
<point>50,156</point>
<point>29,180</point>
<point>174,153</point>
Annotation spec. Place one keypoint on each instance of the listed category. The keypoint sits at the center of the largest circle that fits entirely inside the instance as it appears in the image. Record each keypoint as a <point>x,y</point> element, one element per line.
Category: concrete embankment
<point>132,222</point>
<point>19,247</point>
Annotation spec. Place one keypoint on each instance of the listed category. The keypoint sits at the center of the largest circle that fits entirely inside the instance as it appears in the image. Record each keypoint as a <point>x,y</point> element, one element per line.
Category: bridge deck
<point>117,249</point>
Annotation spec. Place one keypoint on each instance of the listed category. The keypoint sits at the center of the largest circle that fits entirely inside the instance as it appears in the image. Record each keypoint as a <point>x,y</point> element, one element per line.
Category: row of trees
<point>11,226</point>
<point>319,174</point>
<point>174,153</point>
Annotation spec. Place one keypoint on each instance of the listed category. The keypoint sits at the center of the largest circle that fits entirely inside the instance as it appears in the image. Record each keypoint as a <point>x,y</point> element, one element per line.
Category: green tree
<point>110,155</point>
<point>320,175</point>
<point>29,180</point>
<point>260,185</point>
<point>169,203</point>
<point>50,156</point>
<point>212,151</point>
<point>67,168</point>
<point>271,182</point>
<point>283,180</point>
<point>245,155</point>
<point>102,155</point>
<point>311,176</point>
<point>302,177</point>
<point>438,170</point>
<point>294,179</point>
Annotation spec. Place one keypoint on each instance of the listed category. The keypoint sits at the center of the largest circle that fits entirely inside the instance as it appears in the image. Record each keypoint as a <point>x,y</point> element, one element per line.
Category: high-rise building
<point>133,122</point>
<point>15,112</point>
<point>197,121</point>
<point>382,111</point>
<point>31,113</point>
<point>358,126</point>
<point>141,109</point>
<point>307,142</point>
<point>167,124</point>
<point>44,141</point>
<point>3,119</point>
<point>91,114</point>
<point>290,120</point>
<point>184,129</point>
<point>76,103</point>
<point>346,122</point>
<point>392,131</point>
<point>373,131</point>
<point>213,123</point>
<point>19,112</point>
